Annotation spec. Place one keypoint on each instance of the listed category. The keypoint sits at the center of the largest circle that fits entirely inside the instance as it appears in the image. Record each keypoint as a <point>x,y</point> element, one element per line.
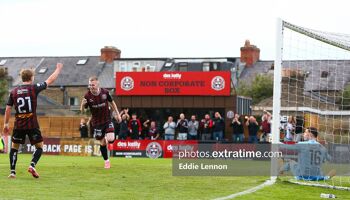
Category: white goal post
<point>312,83</point>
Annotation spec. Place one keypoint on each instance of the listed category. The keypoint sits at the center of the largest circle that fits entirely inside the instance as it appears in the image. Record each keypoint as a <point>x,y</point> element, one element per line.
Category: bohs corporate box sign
<point>173,83</point>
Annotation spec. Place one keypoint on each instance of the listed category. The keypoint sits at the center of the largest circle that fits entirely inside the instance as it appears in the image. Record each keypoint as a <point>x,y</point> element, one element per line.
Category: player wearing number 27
<point>24,100</point>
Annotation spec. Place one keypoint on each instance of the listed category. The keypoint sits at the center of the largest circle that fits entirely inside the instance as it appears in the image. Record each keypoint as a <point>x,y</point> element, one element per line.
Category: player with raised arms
<point>99,101</point>
<point>24,99</point>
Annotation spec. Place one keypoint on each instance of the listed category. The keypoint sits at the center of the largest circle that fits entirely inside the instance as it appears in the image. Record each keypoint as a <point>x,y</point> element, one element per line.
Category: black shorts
<point>101,130</point>
<point>34,135</point>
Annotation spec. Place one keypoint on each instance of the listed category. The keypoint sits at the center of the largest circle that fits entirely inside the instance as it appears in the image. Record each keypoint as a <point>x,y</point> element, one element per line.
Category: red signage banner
<point>174,83</point>
<point>150,148</point>
<point>171,147</point>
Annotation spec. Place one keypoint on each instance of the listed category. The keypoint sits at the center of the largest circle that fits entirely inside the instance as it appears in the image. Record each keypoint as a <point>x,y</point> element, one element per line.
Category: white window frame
<point>3,62</point>
<point>82,61</point>
<point>42,70</point>
<point>76,101</point>
<point>123,67</point>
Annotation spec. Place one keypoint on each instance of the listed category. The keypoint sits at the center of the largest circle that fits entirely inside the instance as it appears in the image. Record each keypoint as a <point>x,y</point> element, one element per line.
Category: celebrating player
<point>24,99</point>
<point>98,100</point>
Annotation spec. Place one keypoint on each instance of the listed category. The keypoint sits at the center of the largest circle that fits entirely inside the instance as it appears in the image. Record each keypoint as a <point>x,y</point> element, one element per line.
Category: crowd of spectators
<point>206,129</point>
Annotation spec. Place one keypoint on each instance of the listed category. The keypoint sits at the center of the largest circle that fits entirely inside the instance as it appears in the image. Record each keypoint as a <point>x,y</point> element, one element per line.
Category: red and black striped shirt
<point>24,98</point>
<point>99,107</point>
<point>135,126</point>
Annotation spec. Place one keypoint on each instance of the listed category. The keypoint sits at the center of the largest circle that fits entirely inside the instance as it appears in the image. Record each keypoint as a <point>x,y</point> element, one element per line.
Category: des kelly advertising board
<point>170,83</point>
<point>151,148</point>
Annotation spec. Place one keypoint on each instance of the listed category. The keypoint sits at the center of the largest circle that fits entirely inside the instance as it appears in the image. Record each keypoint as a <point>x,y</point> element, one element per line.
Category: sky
<point>157,28</point>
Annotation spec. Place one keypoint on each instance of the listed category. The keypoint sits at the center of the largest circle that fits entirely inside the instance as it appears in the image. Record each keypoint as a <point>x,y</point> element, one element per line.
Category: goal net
<point>312,89</point>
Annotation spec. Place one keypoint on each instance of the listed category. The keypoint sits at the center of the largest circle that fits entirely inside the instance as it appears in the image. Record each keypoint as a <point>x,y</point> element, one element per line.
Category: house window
<point>82,61</point>
<point>206,67</point>
<point>136,66</point>
<point>168,65</point>
<point>215,67</point>
<point>2,62</point>
<point>122,67</point>
<point>183,67</point>
<point>73,101</point>
<point>42,70</point>
<point>150,68</point>
<point>324,74</point>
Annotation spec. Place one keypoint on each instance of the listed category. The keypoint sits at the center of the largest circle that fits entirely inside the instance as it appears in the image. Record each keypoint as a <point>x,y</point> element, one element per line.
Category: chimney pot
<point>250,54</point>
<point>109,54</point>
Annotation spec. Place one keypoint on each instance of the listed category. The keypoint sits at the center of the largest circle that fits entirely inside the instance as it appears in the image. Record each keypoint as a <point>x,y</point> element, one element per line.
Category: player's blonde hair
<point>26,74</point>
<point>93,78</point>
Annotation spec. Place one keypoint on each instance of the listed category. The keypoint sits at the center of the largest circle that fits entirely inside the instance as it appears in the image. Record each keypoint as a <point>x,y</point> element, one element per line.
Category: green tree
<point>3,87</point>
<point>345,100</point>
<point>260,88</point>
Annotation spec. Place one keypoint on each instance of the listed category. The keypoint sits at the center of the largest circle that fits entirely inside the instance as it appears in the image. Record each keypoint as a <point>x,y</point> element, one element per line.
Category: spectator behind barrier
<point>218,127</point>
<point>153,133</point>
<point>135,127</point>
<point>169,129</point>
<point>83,128</point>
<point>207,124</point>
<point>193,126</point>
<point>290,129</point>
<point>238,130</point>
<point>182,125</point>
<point>123,126</point>
<point>253,128</point>
<point>265,126</point>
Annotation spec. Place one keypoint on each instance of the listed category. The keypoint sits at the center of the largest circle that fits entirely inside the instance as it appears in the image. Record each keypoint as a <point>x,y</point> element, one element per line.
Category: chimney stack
<point>3,72</point>
<point>250,54</point>
<point>109,54</point>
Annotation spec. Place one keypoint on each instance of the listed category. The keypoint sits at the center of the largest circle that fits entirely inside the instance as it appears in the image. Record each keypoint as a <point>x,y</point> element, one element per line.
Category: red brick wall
<point>57,95</point>
<point>109,54</point>
<point>250,54</point>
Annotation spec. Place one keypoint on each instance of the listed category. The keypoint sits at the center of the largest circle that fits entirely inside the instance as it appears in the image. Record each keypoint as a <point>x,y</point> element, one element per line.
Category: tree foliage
<point>3,87</point>
<point>345,101</point>
<point>260,88</point>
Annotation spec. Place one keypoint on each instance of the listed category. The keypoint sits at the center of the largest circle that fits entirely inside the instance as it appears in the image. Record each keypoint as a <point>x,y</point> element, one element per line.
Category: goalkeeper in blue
<point>311,155</point>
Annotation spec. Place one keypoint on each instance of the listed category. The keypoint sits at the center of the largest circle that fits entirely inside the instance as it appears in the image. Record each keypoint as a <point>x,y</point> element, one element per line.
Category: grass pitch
<point>65,177</point>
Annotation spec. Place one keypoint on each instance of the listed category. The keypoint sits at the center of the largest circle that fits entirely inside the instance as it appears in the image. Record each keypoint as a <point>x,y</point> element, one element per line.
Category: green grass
<point>290,191</point>
<point>64,177</point>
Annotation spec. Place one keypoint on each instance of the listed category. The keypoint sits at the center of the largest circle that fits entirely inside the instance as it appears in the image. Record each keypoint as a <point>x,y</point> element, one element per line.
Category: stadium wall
<point>63,127</point>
